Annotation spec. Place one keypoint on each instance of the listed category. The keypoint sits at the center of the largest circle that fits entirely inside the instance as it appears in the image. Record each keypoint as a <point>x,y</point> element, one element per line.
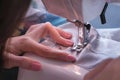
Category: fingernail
<point>71,58</point>
<point>36,66</point>
<point>69,42</point>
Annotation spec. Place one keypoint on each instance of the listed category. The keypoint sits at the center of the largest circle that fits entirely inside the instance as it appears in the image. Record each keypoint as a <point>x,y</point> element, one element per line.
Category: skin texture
<point>107,70</point>
<point>29,43</point>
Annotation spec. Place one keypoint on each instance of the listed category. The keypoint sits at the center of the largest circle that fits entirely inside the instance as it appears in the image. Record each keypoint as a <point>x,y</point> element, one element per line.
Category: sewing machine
<point>79,12</point>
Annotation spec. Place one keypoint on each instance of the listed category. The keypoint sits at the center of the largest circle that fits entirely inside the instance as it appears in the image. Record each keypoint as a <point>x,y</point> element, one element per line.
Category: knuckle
<point>24,41</point>
<point>32,27</point>
<point>46,52</point>
<point>23,59</point>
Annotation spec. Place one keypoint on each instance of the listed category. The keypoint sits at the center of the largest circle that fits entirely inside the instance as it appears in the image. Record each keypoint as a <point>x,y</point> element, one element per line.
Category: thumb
<point>23,62</point>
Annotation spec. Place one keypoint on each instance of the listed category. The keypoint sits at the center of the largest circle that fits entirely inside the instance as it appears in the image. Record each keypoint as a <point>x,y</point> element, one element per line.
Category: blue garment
<point>53,19</point>
<point>47,17</point>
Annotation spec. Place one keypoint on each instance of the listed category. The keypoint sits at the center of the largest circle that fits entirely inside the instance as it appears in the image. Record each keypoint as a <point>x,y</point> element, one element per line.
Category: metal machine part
<point>83,31</point>
<point>79,12</point>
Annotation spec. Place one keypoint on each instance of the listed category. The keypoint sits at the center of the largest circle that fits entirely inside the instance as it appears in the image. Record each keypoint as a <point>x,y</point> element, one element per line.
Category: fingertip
<point>71,58</point>
<point>48,23</point>
<point>69,43</point>
<point>64,56</point>
<point>36,66</point>
<point>29,64</point>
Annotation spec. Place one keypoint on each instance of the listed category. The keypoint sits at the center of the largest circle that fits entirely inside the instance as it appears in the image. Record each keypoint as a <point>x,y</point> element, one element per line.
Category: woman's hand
<point>107,70</point>
<point>29,43</point>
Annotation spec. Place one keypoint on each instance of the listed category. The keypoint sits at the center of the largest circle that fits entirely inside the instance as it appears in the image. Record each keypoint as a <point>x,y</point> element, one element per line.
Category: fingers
<point>56,36</point>
<point>64,34</point>
<point>23,62</point>
<point>54,53</point>
<point>48,52</point>
<point>97,70</point>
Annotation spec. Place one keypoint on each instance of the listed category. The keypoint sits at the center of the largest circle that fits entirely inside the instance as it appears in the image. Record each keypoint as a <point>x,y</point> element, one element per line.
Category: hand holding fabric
<point>30,43</point>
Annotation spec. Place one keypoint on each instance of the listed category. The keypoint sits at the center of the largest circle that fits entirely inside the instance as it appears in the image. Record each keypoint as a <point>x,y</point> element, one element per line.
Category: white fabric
<point>40,8</point>
<point>102,45</point>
